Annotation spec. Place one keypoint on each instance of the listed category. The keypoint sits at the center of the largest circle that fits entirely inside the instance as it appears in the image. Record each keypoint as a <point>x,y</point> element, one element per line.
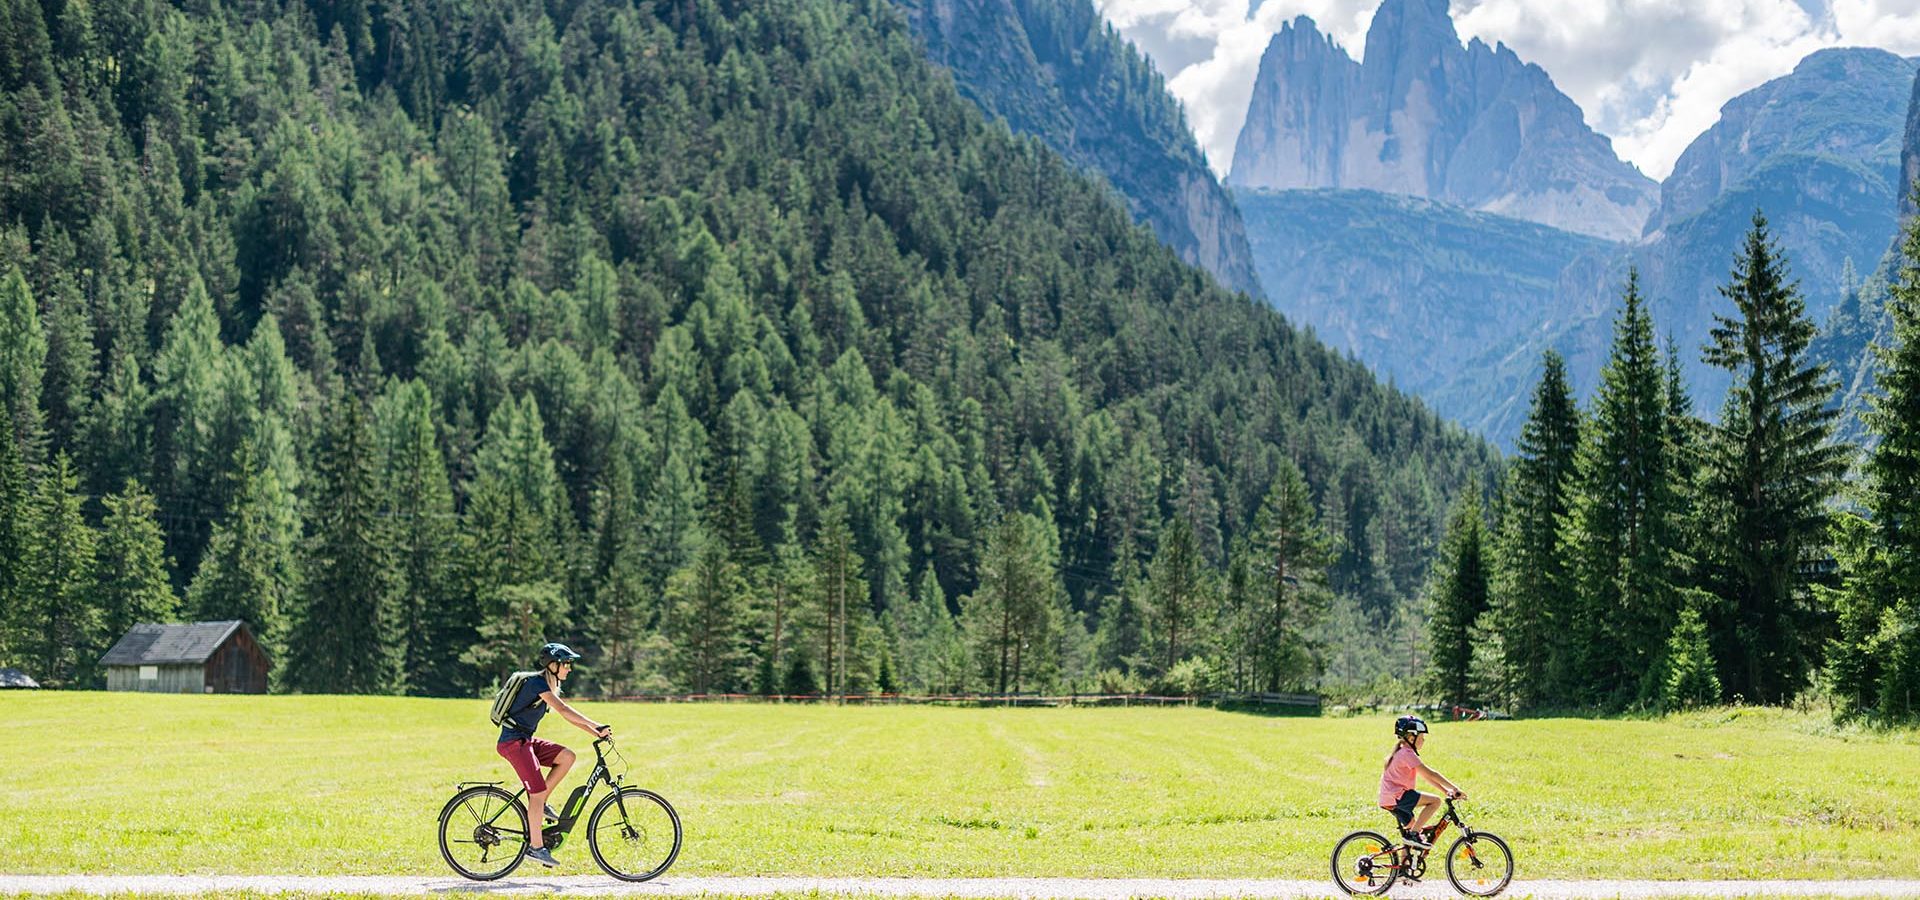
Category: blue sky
<point>1650,74</point>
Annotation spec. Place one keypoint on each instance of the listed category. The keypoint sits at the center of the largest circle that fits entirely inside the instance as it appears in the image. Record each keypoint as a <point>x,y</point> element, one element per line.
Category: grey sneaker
<point>1415,839</point>
<point>541,856</point>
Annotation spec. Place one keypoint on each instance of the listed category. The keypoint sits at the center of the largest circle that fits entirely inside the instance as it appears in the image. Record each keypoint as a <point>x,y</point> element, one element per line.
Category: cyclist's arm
<point>1439,779</point>
<point>572,715</point>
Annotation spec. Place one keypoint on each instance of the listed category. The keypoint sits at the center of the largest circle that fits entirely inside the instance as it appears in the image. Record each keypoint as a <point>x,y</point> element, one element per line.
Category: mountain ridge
<point>1423,114</point>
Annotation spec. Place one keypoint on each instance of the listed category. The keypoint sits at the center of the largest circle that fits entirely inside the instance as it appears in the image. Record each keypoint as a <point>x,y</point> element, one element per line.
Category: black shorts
<point>1403,810</point>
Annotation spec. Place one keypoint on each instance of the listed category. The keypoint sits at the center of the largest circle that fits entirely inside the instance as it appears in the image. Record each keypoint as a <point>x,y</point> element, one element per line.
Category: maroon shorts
<point>527,758</point>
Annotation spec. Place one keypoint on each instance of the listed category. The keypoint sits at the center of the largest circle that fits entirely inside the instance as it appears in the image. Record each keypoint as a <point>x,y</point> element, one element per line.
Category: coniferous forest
<point>723,340</point>
<point>727,342</point>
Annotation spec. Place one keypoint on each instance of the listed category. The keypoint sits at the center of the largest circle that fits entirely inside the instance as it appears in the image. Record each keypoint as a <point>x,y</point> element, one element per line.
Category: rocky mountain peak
<point>1428,116</point>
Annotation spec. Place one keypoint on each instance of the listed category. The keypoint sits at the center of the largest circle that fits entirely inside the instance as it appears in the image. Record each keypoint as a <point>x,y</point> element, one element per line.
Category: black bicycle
<point>1478,864</point>
<point>634,833</point>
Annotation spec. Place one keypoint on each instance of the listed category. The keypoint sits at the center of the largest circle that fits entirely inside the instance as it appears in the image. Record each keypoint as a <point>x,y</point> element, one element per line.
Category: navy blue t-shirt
<point>527,708</point>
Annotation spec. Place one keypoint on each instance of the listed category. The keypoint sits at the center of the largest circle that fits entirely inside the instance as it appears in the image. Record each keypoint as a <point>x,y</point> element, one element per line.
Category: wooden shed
<point>191,658</point>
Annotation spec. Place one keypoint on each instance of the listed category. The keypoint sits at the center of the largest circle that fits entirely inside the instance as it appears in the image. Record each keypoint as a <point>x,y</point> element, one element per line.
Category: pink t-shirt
<point>1402,766</point>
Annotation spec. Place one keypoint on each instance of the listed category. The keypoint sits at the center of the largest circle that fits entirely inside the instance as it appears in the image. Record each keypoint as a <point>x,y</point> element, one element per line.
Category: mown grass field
<point>126,783</point>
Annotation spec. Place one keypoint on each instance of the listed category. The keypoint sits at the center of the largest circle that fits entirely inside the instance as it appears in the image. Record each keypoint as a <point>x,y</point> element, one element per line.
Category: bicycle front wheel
<point>1480,865</point>
<point>483,833</point>
<point>635,834</point>
<point>1363,864</point>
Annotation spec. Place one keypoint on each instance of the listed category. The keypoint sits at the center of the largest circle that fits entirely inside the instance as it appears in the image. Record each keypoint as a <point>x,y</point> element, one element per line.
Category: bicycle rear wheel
<point>634,834</point>
<point>1480,865</point>
<point>483,833</point>
<point>1363,864</point>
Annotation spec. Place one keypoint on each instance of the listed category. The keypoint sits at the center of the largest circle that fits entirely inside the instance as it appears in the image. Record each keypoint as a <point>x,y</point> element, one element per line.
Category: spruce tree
<point>347,637</point>
<point>416,498</point>
<point>1536,596</point>
<point>1687,671</point>
<point>1875,659</point>
<point>839,596</point>
<point>252,565</point>
<point>16,536</point>
<point>1771,466</point>
<point>1459,599</point>
<point>23,358</point>
<point>1176,589</point>
<point>1291,554</point>
<point>704,622</point>
<point>1625,520</point>
<point>130,575</point>
<point>67,636</point>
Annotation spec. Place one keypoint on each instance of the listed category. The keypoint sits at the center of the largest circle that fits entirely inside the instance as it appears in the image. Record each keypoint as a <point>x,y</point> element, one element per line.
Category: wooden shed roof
<point>148,644</point>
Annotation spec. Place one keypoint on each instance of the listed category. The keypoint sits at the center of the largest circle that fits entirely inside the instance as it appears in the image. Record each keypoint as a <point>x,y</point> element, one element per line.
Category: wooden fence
<point>1301,702</point>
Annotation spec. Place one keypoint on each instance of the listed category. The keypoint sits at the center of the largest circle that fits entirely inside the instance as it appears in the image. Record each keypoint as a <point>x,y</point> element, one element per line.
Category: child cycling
<point>527,753</point>
<point>1396,783</point>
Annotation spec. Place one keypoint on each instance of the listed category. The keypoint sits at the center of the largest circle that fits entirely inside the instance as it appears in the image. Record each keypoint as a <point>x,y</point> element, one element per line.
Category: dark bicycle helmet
<point>1406,725</point>
<point>557,653</point>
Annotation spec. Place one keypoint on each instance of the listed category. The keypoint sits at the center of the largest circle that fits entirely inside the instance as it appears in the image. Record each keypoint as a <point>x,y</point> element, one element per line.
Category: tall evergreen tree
<point>347,636</point>
<point>131,583</point>
<point>1535,595</point>
<point>1009,617</point>
<point>1875,659</point>
<point>1460,598</point>
<point>1291,553</point>
<point>23,358</point>
<point>434,619</point>
<point>67,638</point>
<point>1771,466</point>
<point>705,621</point>
<point>252,568</point>
<point>1176,591</point>
<point>838,597</point>
<point>1626,520</point>
<point>16,536</point>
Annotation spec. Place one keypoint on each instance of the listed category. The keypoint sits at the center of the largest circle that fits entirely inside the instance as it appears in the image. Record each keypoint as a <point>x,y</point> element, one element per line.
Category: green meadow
<point>127,783</point>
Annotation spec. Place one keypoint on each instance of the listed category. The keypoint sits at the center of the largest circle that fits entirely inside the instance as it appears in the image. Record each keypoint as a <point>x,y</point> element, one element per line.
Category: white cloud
<point>1651,74</point>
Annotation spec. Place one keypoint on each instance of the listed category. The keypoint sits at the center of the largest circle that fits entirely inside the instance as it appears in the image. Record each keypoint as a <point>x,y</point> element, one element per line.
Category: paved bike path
<point>1036,888</point>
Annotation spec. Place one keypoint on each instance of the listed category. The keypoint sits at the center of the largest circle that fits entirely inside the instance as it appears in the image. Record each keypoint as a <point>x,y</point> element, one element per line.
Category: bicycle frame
<point>554,835</point>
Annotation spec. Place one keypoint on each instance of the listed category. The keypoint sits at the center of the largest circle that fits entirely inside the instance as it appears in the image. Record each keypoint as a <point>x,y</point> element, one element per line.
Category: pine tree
<point>1009,618</point>
<point>838,595</point>
<point>347,637</point>
<point>1771,466</point>
<point>1875,659</point>
<point>23,358</point>
<point>705,620</point>
<point>16,536</point>
<point>67,638</point>
<point>1459,600</point>
<point>1688,679</point>
<point>1177,592</point>
<point>1626,519</point>
<point>251,570</point>
<point>1536,596</point>
<point>435,621</point>
<point>1292,553</point>
<point>131,584</point>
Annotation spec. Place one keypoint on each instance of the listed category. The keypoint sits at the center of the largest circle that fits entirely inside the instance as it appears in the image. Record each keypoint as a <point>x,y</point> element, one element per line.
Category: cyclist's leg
<point>561,765</point>
<point>526,766</point>
<point>1424,809</point>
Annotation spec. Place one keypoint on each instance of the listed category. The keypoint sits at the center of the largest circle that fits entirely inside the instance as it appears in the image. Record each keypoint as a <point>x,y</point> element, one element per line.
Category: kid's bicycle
<point>634,834</point>
<point>1478,864</point>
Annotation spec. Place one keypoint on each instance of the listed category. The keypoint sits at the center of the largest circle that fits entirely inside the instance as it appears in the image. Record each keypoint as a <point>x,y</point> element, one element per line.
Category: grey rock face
<point>1471,125</point>
<point>1840,104</point>
<point>1910,153</point>
<point>1052,69</point>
